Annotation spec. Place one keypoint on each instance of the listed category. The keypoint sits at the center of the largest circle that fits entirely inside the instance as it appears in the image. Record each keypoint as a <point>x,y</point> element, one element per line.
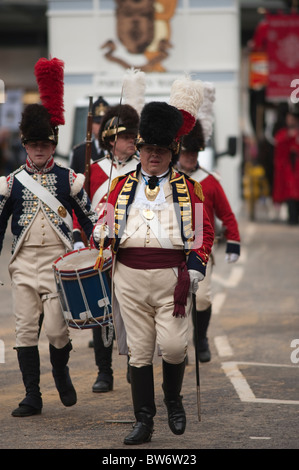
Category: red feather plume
<point>188,124</point>
<point>50,80</point>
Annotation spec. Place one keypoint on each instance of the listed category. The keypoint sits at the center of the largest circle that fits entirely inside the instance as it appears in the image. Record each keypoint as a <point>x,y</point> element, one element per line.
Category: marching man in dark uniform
<point>77,157</point>
<point>40,196</point>
<point>161,239</point>
<point>119,131</point>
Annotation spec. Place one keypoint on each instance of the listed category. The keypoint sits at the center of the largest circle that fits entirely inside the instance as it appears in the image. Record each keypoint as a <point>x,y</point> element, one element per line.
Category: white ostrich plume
<point>187,95</point>
<point>206,114</point>
<point>134,85</point>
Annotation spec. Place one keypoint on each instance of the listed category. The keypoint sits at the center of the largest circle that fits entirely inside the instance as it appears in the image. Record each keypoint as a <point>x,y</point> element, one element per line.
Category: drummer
<point>119,131</point>
<point>40,196</point>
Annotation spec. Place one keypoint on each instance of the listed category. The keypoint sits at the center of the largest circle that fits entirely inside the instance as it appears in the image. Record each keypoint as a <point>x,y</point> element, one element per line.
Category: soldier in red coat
<point>216,204</point>
<point>286,167</point>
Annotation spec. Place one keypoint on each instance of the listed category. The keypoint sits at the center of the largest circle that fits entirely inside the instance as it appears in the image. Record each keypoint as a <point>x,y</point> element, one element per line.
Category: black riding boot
<point>143,396</point>
<point>173,375</point>
<point>29,363</point>
<point>59,359</point>
<point>203,321</point>
<point>103,359</point>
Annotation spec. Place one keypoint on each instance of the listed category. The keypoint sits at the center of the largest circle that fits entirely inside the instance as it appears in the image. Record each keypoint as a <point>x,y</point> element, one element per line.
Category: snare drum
<point>84,292</point>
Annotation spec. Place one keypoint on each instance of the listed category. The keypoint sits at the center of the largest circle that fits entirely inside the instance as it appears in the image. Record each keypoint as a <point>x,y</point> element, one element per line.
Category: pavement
<point>249,392</point>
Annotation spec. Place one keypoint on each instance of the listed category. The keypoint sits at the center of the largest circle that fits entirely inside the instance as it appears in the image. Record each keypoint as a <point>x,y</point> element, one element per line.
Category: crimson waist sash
<point>161,258</point>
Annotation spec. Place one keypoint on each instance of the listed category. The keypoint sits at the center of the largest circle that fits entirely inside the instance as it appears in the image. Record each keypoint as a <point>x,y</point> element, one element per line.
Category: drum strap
<point>49,296</point>
<point>43,194</point>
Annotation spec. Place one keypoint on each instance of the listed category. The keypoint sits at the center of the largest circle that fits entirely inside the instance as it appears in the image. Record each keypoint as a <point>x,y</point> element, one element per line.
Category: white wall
<point>205,44</point>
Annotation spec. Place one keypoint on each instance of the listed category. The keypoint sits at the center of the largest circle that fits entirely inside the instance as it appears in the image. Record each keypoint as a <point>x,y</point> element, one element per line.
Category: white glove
<point>78,245</point>
<point>231,257</point>
<point>195,278</point>
<point>100,231</point>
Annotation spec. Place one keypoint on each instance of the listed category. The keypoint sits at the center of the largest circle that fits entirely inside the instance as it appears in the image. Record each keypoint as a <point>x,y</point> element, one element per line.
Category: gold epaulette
<point>114,182</point>
<point>197,189</point>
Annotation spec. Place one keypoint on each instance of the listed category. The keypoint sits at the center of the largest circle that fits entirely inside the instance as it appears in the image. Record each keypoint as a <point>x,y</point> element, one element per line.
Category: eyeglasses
<point>39,145</point>
<point>148,149</point>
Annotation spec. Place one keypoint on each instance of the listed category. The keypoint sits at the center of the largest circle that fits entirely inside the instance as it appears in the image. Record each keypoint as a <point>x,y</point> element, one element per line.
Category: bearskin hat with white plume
<point>125,117</point>
<point>134,86</point>
<point>41,121</point>
<point>121,118</point>
<point>206,112</point>
<point>194,141</point>
<point>199,136</point>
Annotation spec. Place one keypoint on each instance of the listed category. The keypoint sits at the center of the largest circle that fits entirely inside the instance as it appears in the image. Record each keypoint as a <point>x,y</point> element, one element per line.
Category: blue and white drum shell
<point>84,292</point>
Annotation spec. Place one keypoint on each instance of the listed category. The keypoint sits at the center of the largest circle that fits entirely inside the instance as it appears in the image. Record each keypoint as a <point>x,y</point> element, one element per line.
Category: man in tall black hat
<point>161,238</point>
<point>119,131</point>
<point>40,196</point>
<point>77,157</point>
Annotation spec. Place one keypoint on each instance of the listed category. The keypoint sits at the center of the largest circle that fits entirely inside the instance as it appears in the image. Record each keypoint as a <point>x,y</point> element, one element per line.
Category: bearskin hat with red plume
<point>164,124</point>
<point>195,140</point>
<point>36,124</point>
<point>41,121</point>
<point>122,118</point>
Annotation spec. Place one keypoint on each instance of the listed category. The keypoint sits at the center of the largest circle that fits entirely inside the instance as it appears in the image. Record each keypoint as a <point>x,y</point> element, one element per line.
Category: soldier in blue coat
<point>40,197</point>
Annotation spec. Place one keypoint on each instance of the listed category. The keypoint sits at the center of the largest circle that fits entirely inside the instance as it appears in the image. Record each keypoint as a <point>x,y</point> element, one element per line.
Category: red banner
<point>283,55</point>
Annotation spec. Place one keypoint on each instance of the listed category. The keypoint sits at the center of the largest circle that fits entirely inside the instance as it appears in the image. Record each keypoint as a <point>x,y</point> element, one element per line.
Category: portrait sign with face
<point>142,28</point>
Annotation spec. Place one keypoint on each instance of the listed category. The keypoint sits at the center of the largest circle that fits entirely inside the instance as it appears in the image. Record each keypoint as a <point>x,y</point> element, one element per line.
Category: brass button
<point>61,211</point>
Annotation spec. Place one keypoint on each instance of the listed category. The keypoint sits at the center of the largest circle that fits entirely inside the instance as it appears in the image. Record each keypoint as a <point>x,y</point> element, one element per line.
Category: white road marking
<point>242,387</point>
<point>234,278</point>
<point>222,345</point>
<point>243,256</point>
<point>250,231</point>
<point>218,302</point>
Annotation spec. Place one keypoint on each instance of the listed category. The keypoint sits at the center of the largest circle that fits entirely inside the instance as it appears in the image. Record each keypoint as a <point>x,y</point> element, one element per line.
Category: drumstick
<point>100,259</point>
